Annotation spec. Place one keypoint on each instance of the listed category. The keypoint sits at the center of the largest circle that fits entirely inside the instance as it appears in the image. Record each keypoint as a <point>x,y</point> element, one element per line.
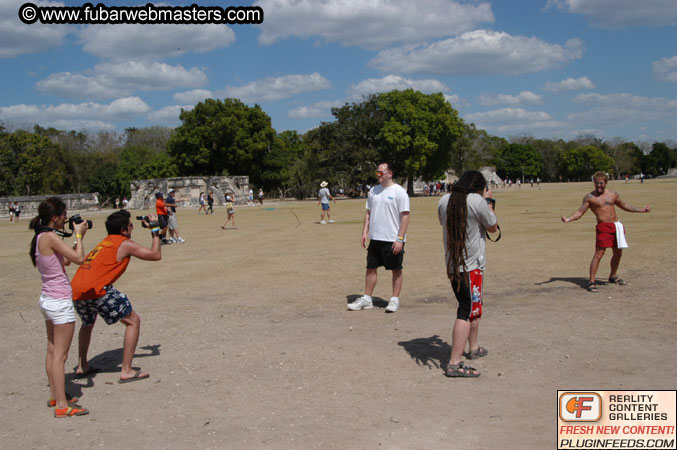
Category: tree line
<point>421,134</point>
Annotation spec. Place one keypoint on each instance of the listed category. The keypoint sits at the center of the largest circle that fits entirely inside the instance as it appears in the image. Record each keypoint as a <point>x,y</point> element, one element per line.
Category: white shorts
<point>172,222</point>
<point>57,310</point>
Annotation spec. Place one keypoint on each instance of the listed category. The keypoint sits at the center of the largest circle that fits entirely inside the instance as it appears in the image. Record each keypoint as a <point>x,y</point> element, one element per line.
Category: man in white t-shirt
<point>323,197</point>
<point>385,225</point>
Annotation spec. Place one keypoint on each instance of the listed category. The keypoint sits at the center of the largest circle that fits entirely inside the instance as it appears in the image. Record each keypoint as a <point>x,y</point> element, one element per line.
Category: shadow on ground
<point>431,352</point>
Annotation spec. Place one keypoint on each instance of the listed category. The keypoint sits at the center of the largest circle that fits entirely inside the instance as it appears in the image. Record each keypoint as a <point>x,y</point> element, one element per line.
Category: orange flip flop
<point>69,411</point>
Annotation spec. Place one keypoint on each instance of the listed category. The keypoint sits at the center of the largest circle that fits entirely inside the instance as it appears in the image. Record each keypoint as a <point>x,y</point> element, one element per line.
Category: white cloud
<point>370,24</point>
<point>391,82</point>
<point>666,69</point>
<point>456,101</point>
<point>479,52</point>
<point>110,80</point>
<point>622,110</point>
<point>276,88</point>
<point>316,110</point>
<point>524,97</point>
<point>88,115</point>
<point>193,97</point>
<point>18,38</point>
<point>514,120</point>
<point>570,84</point>
<point>615,13</point>
<point>168,115</point>
<point>153,42</point>
<point>629,101</point>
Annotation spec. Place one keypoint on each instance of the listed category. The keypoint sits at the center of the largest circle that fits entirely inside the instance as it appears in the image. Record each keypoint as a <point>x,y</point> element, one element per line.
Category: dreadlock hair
<point>471,181</point>
<point>48,209</point>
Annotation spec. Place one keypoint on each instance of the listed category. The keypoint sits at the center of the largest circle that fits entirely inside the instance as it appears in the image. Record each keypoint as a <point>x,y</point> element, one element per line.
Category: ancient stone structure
<point>188,190</point>
<point>450,177</point>
<point>29,204</point>
<point>489,173</point>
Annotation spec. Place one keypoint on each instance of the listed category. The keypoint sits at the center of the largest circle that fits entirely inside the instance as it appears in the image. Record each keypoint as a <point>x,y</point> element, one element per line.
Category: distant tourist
<point>203,203</point>
<point>323,197</point>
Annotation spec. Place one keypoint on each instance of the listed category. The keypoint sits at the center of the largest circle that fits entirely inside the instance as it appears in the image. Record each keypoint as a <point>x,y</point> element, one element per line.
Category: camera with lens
<point>145,219</point>
<point>77,219</point>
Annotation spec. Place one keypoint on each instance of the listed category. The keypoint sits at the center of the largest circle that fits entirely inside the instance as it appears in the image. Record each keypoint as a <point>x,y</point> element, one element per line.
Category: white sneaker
<point>322,222</point>
<point>180,240</point>
<point>331,221</point>
<point>361,303</point>
<point>172,240</point>
<point>393,305</point>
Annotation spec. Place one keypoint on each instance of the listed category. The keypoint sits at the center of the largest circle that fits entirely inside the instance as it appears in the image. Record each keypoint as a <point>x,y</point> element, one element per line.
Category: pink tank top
<point>55,282</point>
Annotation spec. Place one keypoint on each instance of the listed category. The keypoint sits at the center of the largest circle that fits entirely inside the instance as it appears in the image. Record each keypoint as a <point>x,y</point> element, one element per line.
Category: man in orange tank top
<point>93,291</point>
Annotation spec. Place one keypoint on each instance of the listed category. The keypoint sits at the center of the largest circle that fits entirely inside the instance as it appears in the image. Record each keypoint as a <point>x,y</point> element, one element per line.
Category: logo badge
<point>580,407</point>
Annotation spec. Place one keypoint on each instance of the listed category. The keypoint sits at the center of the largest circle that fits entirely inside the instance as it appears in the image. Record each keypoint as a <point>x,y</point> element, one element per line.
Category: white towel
<point>620,235</point>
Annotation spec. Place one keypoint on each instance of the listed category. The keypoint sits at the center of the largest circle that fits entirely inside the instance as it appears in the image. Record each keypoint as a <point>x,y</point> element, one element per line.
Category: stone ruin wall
<point>188,190</point>
<point>450,177</point>
<point>29,204</point>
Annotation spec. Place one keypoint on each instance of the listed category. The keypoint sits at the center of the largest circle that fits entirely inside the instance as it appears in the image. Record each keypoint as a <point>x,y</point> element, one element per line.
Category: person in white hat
<point>323,197</point>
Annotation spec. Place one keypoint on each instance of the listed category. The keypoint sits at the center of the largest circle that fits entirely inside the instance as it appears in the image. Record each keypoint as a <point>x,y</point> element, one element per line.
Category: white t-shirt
<point>385,206</point>
<point>480,217</point>
<point>324,195</point>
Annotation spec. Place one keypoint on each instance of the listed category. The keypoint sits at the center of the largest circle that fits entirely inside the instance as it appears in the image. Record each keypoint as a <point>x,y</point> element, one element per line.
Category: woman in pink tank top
<point>49,253</point>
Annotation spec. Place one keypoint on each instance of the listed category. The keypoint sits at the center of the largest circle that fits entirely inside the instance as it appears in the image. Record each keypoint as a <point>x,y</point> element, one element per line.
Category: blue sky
<point>547,68</point>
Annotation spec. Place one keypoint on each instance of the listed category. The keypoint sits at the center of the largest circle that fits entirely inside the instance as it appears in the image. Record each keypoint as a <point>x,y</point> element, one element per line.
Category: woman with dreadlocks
<point>49,253</point>
<point>466,215</point>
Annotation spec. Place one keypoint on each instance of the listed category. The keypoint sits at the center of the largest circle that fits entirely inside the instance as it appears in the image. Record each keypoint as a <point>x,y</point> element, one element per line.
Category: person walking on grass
<point>323,197</point>
<point>385,225</point>
<point>203,205</point>
<point>230,210</point>
<point>466,215</point>
<point>610,232</point>
<point>49,254</point>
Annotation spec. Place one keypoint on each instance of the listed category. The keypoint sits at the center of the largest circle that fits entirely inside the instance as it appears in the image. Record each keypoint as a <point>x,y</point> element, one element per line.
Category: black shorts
<point>380,253</point>
<point>163,221</point>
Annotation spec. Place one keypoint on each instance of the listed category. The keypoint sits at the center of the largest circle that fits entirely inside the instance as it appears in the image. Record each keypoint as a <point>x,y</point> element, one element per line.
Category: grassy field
<point>249,344</point>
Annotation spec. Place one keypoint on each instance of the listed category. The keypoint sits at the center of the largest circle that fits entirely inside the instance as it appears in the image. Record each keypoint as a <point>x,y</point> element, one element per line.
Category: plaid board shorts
<point>111,307</point>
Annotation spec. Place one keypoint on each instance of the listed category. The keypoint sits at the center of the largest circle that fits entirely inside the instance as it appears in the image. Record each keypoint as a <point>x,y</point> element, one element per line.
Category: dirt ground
<point>249,343</point>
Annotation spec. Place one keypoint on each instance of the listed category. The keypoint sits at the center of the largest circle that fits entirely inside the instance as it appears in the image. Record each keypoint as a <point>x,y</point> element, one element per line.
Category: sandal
<point>616,280</point>
<point>461,371</point>
<point>592,287</point>
<point>480,352</point>
<point>51,403</point>
<point>69,411</point>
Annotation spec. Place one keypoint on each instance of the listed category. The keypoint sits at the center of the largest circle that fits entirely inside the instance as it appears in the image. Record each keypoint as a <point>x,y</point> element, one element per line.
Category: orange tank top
<point>101,268</point>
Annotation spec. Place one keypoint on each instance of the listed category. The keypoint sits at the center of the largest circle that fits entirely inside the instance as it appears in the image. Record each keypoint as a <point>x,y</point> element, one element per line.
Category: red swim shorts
<point>606,235</point>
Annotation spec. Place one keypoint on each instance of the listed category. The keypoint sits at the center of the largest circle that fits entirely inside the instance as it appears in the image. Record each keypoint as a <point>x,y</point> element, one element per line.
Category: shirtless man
<point>609,229</point>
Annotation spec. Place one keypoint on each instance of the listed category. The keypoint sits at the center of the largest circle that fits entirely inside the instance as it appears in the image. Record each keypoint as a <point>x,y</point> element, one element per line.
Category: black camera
<point>76,219</point>
<point>491,201</point>
<point>145,219</point>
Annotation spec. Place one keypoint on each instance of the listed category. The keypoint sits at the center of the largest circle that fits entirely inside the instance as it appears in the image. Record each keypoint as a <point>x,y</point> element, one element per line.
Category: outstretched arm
<point>579,213</point>
<point>625,207</point>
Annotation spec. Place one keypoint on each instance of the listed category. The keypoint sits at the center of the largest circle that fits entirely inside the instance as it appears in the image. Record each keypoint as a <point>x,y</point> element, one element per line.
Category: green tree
<point>580,163</point>
<point>664,157</point>
<point>27,164</point>
<point>418,133</point>
<point>518,161</point>
<point>222,136</point>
